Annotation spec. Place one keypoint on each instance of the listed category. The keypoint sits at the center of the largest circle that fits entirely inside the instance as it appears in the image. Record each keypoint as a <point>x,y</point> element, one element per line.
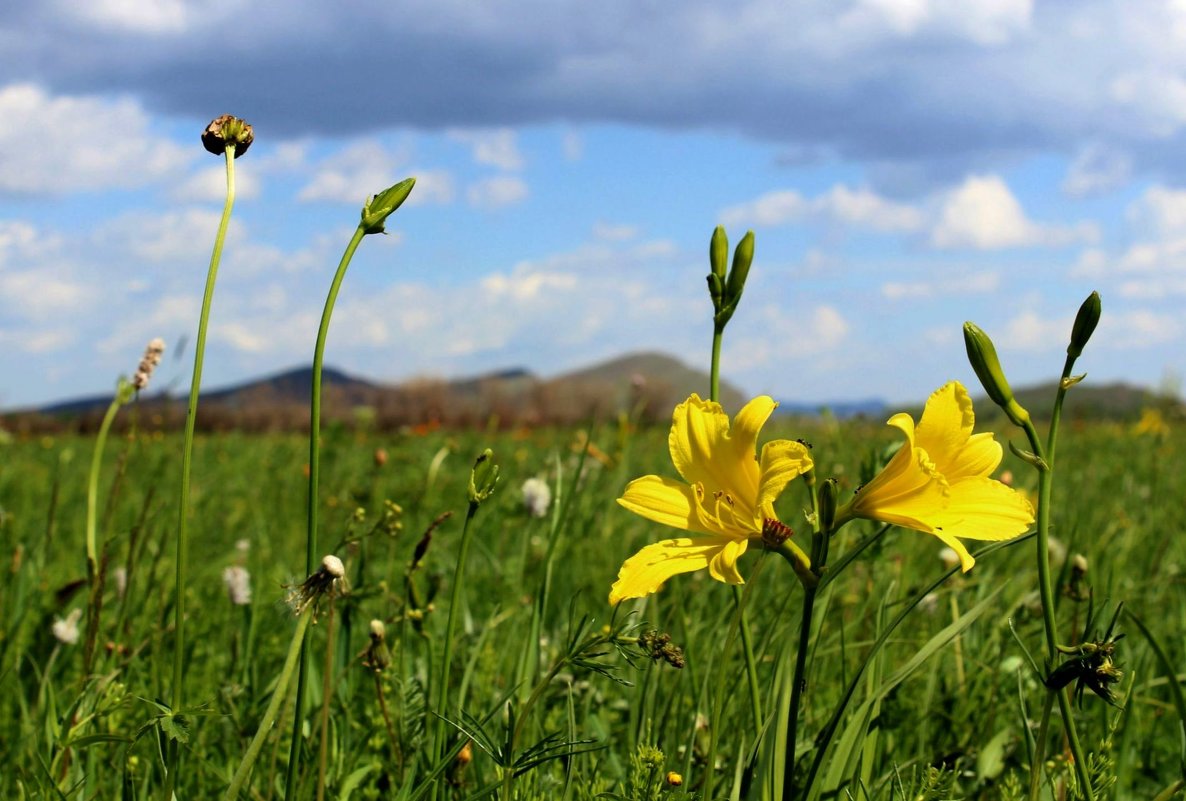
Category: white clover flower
<point>537,497</point>
<point>238,585</point>
<point>66,629</point>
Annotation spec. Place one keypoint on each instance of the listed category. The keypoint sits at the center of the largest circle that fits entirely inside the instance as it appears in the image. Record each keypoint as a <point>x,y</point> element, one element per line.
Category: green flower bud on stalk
<point>983,357</point>
<point>228,130</point>
<point>716,290</point>
<point>379,207</point>
<point>718,252</point>
<point>743,257</point>
<point>1085,322</point>
<point>827,505</point>
<point>483,477</point>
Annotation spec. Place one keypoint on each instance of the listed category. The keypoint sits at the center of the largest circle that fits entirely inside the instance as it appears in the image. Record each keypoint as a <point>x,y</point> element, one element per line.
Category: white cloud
<point>181,237</point>
<point>971,284</point>
<point>573,146</point>
<point>154,18</point>
<point>497,192</point>
<point>209,186</point>
<point>983,214</point>
<point>986,24</point>
<point>54,145</point>
<point>852,207</point>
<point>1097,169</point>
<point>497,147</point>
<point>607,232</point>
<point>350,176</point>
<point>1160,210</point>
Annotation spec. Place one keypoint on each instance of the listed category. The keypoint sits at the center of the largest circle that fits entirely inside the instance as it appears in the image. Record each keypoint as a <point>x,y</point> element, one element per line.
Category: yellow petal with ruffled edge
<point>782,462</point>
<point>984,509</point>
<point>667,502</point>
<point>704,449</point>
<point>645,572</point>
<point>945,433</point>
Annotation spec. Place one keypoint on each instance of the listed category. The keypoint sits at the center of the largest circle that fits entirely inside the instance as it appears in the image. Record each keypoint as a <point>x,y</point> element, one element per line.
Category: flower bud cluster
<point>659,646</point>
<point>148,363</point>
<point>725,287</point>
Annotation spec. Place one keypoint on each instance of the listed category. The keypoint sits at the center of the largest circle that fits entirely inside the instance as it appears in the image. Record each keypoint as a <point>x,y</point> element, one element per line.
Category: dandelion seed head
<point>949,558</point>
<point>537,496</point>
<point>238,585</point>
<point>378,629</point>
<point>333,565</point>
<point>65,630</point>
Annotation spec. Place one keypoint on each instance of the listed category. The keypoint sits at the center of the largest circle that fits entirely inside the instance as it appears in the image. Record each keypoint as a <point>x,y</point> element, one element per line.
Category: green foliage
<point>535,635</point>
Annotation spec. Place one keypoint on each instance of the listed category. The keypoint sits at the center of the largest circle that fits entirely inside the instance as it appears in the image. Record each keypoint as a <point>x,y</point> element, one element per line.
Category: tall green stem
<point>1046,591</point>
<point>278,695</point>
<point>714,377</point>
<point>313,504</point>
<point>177,697</point>
<point>92,489</point>
<point>438,739</point>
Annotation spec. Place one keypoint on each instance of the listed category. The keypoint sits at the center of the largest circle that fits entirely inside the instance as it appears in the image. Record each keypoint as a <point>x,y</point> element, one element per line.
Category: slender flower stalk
<point>230,137</point>
<point>269,718</point>
<point>483,479</point>
<point>373,218</point>
<point>984,360</point>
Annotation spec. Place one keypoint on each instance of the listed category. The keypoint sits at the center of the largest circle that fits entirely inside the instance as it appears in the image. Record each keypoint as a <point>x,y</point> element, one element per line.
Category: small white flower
<point>238,585</point>
<point>66,629</point>
<point>537,497</point>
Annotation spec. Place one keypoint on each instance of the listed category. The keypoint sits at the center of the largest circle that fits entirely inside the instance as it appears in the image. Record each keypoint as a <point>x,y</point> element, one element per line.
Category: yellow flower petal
<point>938,482</point>
<point>703,451</point>
<point>945,433</point>
<point>728,494</point>
<point>782,462</point>
<point>645,572</point>
<point>984,509</point>
<point>665,501</point>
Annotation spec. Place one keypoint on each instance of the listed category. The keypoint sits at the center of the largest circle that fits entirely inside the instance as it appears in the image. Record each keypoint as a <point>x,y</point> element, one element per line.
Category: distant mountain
<point>647,385</point>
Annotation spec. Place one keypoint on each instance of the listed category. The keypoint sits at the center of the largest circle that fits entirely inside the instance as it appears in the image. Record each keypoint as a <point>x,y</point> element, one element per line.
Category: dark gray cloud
<point>920,90</point>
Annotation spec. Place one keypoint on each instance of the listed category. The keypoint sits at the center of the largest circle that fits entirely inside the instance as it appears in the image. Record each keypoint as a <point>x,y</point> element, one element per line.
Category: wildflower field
<point>735,606</point>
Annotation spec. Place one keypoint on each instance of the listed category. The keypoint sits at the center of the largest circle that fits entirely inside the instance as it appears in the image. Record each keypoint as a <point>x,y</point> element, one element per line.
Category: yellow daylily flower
<point>938,482</point>
<point>727,494</point>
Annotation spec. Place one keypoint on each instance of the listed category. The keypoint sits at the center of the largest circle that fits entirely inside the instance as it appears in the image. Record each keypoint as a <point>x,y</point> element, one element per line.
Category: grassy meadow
<point>427,616</point>
<point>534,645</point>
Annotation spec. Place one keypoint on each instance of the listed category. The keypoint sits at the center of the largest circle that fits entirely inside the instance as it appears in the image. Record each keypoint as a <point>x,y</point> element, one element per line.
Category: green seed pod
<point>983,357</point>
<point>483,477</point>
<point>1085,322</point>
<point>718,252</point>
<point>743,257</point>
<point>379,207</point>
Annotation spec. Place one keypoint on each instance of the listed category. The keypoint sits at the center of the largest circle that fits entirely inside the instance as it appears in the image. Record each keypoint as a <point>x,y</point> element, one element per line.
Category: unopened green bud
<point>379,207</point>
<point>227,130</point>
<point>983,357</point>
<point>827,505</point>
<point>483,477</point>
<point>1085,322</point>
<point>716,289</point>
<point>743,257</point>
<point>718,252</point>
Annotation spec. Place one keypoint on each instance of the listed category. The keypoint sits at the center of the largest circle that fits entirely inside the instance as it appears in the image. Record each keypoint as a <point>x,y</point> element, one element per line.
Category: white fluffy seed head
<point>378,629</point>
<point>537,497</point>
<point>238,585</point>
<point>333,565</point>
<point>65,630</point>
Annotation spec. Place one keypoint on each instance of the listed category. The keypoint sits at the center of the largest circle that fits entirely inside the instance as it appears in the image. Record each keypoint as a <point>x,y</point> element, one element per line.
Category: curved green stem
<point>177,696</point>
<point>92,489</point>
<point>1046,588</point>
<point>278,694</point>
<point>311,551</point>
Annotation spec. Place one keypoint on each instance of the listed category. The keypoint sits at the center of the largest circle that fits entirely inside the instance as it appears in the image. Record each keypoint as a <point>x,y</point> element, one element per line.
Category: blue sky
<point>905,164</point>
